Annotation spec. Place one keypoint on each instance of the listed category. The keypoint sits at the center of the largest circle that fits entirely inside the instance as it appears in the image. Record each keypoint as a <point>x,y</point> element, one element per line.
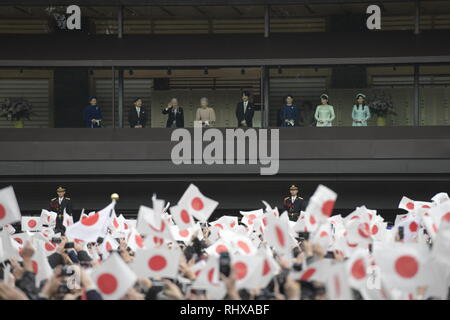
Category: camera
<point>224,264</point>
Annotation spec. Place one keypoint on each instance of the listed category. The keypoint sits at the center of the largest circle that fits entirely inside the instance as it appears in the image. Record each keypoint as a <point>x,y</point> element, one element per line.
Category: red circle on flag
<point>243,246</point>
<point>116,224</point>
<point>108,246</point>
<point>2,212</point>
<point>413,226</point>
<point>48,218</point>
<point>232,224</point>
<point>364,230</point>
<point>352,245</point>
<point>280,235</point>
<point>374,229</point>
<point>49,247</point>
<point>266,268</point>
<point>265,221</point>
<point>197,204</point>
<point>435,229</point>
<point>327,207</point>
<point>19,240</point>
<point>90,220</point>
<point>308,274</point>
<point>218,225</point>
<point>107,283</point>
<point>184,233</point>
<point>312,220</point>
<point>354,217</point>
<point>125,226</point>
<point>337,285</point>
<point>410,205</point>
<point>211,276</point>
<point>35,267</point>
<point>323,234</point>
<point>139,241</point>
<point>157,263</point>
<point>157,240</point>
<point>221,248</point>
<point>185,216</point>
<point>406,266</point>
<point>426,206</point>
<point>32,223</point>
<point>446,217</point>
<point>241,270</point>
<point>358,269</point>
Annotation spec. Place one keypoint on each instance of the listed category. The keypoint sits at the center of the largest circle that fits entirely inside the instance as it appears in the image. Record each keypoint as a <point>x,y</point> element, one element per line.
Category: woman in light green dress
<point>360,112</point>
<point>324,113</point>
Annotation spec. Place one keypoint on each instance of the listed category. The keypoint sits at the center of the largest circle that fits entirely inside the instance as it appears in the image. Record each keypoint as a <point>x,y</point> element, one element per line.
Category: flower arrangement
<point>16,109</point>
<point>381,104</point>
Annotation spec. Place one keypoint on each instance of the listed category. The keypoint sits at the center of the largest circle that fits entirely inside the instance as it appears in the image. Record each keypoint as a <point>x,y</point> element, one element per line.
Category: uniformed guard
<point>293,204</point>
<point>58,205</point>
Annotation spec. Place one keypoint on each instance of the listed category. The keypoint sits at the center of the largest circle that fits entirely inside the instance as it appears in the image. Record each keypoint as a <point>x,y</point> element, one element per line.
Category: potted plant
<point>16,110</point>
<point>381,105</point>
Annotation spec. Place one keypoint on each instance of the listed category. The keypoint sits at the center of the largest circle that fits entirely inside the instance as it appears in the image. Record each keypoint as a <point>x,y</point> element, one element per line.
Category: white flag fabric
<point>67,219</point>
<point>135,240</point>
<point>113,277</point>
<point>356,267</point>
<point>48,217</point>
<point>321,203</point>
<point>9,208</point>
<point>276,234</point>
<point>92,227</point>
<point>157,262</point>
<point>197,204</point>
<point>9,248</point>
<point>41,267</point>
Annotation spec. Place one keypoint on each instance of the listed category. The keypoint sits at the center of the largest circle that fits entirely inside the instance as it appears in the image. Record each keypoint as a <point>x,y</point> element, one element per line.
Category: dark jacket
<point>290,113</point>
<point>248,116</point>
<point>59,209</point>
<point>92,112</point>
<point>294,208</point>
<point>133,118</point>
<point>178,117</point>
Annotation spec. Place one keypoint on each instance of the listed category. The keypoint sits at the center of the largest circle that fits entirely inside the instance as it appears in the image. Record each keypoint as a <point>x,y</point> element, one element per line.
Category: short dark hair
<point>135,100</point>
<point>245,93</point>
<point>92,97</point>
<point>288,95</point>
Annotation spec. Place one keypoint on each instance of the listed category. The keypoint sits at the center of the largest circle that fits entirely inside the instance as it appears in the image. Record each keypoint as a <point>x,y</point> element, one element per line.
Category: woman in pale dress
<point>360,112</point>
<point>324,113</point>
<point>205,114</point>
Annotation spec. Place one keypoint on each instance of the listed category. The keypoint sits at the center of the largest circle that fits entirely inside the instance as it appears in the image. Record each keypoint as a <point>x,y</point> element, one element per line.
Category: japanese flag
<point>209,275</point>
<point>31,224</point>
<point>322,236</point>
<point>440,197</point>
<point>9,208</point>
<point>157,262</point>
<point>135,240</point>
<point>108,245</point>
<point>182,218</point>
<point>21,238</point>
<point>67,219</point>
<point>41,267</point>
<point>411,205</point>
<point>9,228</point>
<point>321,203</point>
<point>266,270</point>
<point>337,285</point>
<point>402,265</point>
<point>9,248</point>
<point>225,222</point>
<point>316,271</point>
<point>356,268</point>
<point>249,217</point>
<point>48,217</point>
<point>244,269</point>
<point>441,246</point>
<point>277,235</point>
<point>197,204</point>
<point>92,227</point>
<point>46,246</point>
<point>113,277</point>
<point>241,243</point>
<point>218,247</point>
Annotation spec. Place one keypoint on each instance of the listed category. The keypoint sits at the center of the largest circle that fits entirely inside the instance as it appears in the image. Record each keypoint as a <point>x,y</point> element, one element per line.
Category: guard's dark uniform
<point>59,209</point>
<point>293,208</point>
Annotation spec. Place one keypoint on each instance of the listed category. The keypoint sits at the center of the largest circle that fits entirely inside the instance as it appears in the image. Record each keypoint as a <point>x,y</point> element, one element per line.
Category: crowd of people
<point>289,114</point>
<point>176,252</point>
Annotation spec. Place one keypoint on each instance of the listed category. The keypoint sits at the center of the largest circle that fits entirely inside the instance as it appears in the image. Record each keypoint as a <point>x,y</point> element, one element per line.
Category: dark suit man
<point>58,205</point>
<point>245,111</point>
<point>293,204</point>
<point>176,114</point>
<point>137,117</point>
